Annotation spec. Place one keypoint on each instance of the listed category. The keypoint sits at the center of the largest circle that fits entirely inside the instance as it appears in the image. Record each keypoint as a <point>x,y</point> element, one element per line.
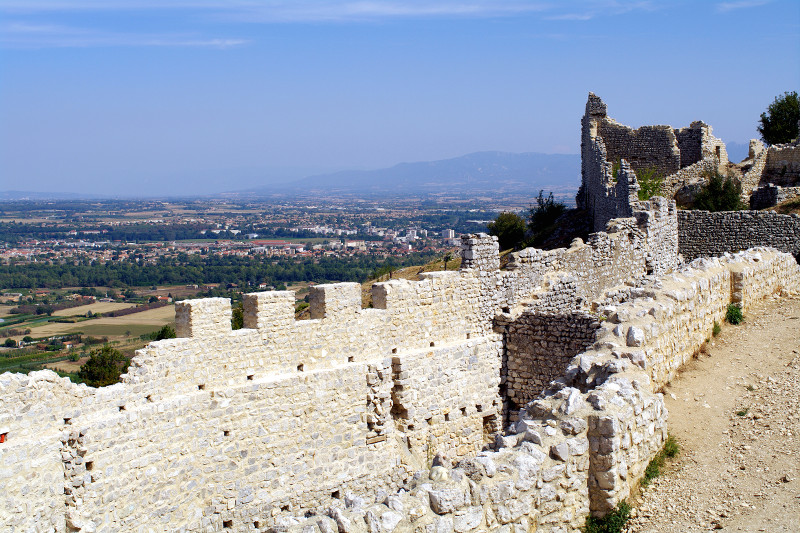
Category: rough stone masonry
<point>487,399</point>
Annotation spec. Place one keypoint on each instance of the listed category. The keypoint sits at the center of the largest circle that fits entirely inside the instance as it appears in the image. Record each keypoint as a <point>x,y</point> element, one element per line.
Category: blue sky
<point>163,97</point>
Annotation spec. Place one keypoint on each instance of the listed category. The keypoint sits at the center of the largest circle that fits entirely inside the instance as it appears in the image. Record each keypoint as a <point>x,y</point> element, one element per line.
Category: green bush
<point>166,332</point>
<point>653,469</point>
<point>717,329</point>
<point>543,216</point>
<point>719,194</point>
<point>104,367</point>
<point>613,522</point>
<point>650,183</point>
<point>509,228</point>
<point>733,315</point>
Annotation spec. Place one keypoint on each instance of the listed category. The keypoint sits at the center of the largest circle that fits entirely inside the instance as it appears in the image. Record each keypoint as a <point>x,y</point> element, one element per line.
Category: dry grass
<point>95,308</point>
<point>137,324</point>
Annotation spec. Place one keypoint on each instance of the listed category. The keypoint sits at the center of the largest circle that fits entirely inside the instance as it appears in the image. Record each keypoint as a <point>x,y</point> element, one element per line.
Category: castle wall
<point>539,348</point>
<point>771,195</point>
<point>583,445</point>
<point>228,429</point>
<point>653,147</point>
<point>782,166</point>
<point>706,234</point>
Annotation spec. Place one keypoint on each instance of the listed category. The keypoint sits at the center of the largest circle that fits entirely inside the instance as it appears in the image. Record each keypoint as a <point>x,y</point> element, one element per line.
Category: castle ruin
<point>486,399</point>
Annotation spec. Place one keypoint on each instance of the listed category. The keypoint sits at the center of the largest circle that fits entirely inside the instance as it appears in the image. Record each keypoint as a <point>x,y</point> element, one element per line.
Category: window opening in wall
<point>3,437</point>
<point>226,432</point>
<point>469,335</point>
<point>463,411</point>
<point>447,417</point>
<point>89,465</point>
<point>489,426</point>
<point>257,524</point>
<point>201,387</point>
<point>432,344</point>
<point>719,152</point>
<point>394,350</point>
<point>300,368</point>
<point>429,421</point>
<point>121,407</point>
<point>250,377</point>
<point>350,358</point>
<point>336,494</point>
<point>284,507</point>
<point>227,524</point>
<point>67,420</point>
<point>479,408</point>
<point>506,309</point>
<point>149,398</point>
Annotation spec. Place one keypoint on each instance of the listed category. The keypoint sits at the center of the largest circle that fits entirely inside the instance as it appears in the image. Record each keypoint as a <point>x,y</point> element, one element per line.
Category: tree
<point>10,343</point>
<point>237,317</point>
<point>543,217</point>
<point>779,122</point>
<point>720,194</point>
<point>509,228</point>
<point>104,367</point>
<point>166,332</point>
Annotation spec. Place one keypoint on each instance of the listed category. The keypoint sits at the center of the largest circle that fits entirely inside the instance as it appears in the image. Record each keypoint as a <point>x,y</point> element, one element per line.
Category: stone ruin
<point>682,156</point>
<point>486,399</point>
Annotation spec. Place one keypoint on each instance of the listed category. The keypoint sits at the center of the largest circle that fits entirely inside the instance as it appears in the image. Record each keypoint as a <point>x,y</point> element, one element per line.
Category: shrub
<point>733,315</point>
<point>719,194</point>
<point>717,329</point>
<point>613,522</point>
<point>653,469</point>
<point>649,183</point>
<point>104,367</point>
<point>509,228</point>
<point>166,332</point>
<point>543,216</point>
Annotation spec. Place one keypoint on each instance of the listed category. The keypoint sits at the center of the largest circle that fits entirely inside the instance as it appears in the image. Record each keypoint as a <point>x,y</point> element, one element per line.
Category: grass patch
<point>750,388</point>
<point>733,315</point>
<point>743,412</point>
<point>717,329</point>
<point>613,522</point>
<point>653,469</point>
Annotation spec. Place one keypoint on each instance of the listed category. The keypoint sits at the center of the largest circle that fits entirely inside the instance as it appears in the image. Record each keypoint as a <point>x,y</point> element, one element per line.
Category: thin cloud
<point>25,35</point>
<point>724,7</point>
<point>597,8</point>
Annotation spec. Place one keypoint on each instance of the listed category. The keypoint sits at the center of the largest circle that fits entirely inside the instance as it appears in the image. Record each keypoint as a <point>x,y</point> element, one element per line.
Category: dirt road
<point>736,414</point>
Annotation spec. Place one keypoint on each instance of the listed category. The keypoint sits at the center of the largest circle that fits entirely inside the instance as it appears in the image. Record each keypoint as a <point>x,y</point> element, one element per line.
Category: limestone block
<point>334,300</point>
<point>203,317</point>
<point>268,309</point>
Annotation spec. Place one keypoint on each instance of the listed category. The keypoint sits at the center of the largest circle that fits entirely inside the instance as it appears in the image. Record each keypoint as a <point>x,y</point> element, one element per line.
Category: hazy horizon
<point>121,97</point>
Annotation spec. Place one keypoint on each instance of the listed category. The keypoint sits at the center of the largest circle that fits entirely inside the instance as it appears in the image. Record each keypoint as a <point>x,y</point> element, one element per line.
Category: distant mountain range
<point>479,172</point>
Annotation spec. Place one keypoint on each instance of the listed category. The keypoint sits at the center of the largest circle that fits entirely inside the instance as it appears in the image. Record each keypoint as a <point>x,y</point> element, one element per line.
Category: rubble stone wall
<point>706,234</point>
<point>771,195</point>
<point>782,166</point>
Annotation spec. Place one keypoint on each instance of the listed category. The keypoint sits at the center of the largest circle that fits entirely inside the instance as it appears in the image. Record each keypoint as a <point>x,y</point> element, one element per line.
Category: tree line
<point>193,269</point>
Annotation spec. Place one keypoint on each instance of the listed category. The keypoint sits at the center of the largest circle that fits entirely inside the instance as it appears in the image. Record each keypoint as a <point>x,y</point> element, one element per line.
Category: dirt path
<point>736,414</point>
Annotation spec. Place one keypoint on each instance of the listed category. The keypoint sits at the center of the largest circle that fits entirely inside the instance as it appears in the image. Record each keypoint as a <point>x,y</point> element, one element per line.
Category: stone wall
<point>539,347</point>
<point>240,429</point>
<point>782,166</point>
<point>705,234</point>
<point>771,195</point>
<point>680,156</point>
<point>583,445</point>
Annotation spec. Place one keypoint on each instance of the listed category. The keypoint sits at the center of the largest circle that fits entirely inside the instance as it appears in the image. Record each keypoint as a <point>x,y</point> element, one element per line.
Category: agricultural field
<point>94,308</point>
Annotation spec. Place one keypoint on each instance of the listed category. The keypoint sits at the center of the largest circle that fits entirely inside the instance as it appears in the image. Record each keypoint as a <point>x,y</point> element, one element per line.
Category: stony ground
<point>735,411</point>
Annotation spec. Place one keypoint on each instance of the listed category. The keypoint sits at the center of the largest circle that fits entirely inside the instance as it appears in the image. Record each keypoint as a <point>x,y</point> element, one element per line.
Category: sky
<point>151,97</point>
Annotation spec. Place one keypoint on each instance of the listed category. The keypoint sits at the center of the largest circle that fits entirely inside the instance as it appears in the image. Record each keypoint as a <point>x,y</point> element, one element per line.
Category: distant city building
<point>448,234</point>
